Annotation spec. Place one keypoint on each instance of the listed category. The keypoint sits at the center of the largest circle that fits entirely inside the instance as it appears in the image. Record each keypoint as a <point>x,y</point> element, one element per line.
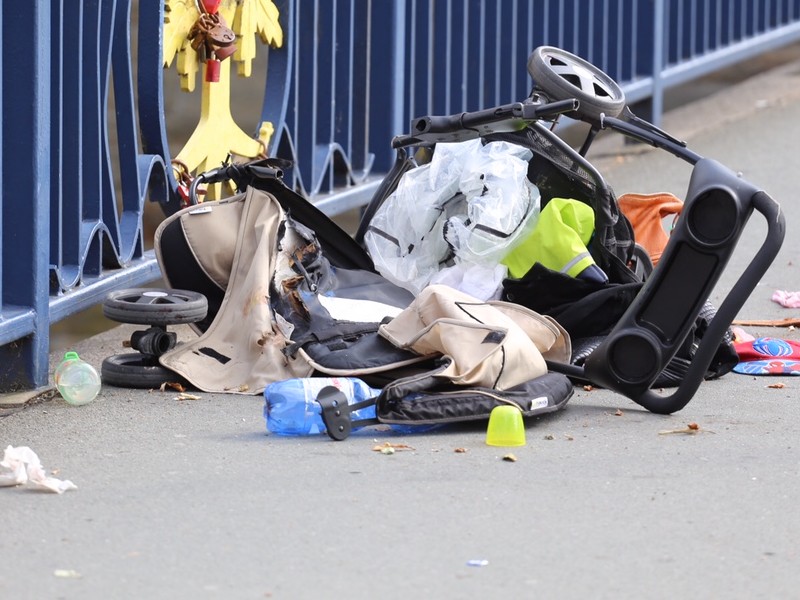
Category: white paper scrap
<point>21,465</point>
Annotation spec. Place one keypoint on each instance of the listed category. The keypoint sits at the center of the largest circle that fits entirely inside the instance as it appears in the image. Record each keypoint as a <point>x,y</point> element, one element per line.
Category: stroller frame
<point>718,205</point>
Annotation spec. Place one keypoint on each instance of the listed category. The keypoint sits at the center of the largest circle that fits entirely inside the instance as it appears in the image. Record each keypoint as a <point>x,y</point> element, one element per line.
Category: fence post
<point>26,192</point>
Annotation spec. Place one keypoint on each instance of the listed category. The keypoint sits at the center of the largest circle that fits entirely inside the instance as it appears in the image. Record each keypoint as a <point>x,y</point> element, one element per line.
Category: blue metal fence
<point>84,143</point>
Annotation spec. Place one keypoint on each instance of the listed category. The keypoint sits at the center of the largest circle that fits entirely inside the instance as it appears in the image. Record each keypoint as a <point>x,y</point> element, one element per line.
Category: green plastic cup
<point>506,427</point>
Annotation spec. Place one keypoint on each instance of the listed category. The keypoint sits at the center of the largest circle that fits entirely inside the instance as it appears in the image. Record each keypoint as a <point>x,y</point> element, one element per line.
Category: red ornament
<point>212,6</point>
<point>212,70</point>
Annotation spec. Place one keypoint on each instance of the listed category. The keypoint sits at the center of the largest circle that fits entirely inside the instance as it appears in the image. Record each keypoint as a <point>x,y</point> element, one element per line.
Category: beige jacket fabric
<point>488,344</point>
<point>241,352</point>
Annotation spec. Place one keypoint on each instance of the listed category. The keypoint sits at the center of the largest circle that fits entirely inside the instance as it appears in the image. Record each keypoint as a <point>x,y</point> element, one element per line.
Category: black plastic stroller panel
<point>719,204</point>
<point>717,207</point>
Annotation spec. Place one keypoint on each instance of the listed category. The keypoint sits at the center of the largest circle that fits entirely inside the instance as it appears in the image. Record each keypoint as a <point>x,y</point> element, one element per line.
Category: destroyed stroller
<point>641,327</point>
<point>672,300</point>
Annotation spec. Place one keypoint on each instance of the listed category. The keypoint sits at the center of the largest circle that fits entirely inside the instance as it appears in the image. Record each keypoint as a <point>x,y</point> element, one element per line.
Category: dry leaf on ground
<point>178,387</point>
<point>690,429</point>
<point>389,446</point>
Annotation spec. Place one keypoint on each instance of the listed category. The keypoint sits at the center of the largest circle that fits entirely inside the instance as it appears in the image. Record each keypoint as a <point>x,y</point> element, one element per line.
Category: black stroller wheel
<point>136,371</point>
<point>563,76</point>
<point>150,306</point>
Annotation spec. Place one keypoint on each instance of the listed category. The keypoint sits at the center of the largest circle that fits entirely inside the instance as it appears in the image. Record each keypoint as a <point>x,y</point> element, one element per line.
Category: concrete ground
<point>192,499</point>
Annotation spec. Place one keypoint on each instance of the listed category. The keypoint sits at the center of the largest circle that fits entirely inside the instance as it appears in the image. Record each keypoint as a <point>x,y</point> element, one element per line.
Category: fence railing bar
<point>704,64</point>
<point>512,66</point>
<point>497,67</point>
<point>465,79</point>
<point>18,322</point>
<point>482,56</point>
<point>139,273</point>
<point>448,63</point>
<point>348,199</point>
<point>430,63</point>
<point>659,19</point>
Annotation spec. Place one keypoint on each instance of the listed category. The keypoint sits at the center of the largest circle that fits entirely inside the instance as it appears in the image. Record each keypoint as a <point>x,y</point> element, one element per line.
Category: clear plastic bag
<point>471,204</point>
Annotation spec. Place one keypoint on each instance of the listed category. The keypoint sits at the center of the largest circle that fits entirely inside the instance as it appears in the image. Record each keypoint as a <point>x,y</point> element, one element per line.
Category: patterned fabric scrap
<point>768,356</point>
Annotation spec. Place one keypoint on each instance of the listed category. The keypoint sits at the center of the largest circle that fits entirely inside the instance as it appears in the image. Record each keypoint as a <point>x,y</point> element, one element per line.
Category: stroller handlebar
<point>469,125</point>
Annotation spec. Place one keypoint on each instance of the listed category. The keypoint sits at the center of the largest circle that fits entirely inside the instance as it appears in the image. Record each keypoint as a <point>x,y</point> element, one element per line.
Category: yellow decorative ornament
<point>196,30</point>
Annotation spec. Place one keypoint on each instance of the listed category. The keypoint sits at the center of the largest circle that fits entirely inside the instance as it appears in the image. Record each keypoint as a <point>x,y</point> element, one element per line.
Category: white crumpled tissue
<point>21,465</point>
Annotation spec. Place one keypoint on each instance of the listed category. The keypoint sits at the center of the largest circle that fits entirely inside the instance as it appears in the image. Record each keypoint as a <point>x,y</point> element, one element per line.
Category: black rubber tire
<point>136,371</point>
<point>151,306</point>
<point>563,76</point>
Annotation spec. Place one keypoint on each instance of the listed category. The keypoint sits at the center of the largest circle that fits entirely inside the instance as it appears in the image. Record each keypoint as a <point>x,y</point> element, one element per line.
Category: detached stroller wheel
<point>563,76</point>
<point>136,371</point>
<point>149,306</point>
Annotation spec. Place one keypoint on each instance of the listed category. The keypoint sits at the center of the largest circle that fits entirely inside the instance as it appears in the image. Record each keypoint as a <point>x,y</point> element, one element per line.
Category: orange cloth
<point>646,213</point>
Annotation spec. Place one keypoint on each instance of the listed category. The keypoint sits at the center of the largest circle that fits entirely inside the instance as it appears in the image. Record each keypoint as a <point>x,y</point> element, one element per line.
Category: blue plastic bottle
<point>291,406</point>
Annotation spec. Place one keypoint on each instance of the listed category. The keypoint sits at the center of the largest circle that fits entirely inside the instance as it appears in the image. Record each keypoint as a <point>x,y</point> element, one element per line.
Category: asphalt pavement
<point>191,498</point>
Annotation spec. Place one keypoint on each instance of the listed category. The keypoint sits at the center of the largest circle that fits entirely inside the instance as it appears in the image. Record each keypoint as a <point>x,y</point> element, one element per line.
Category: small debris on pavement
<point>549,436</point>
<point>185,396</point>
<point>460,450</point>
<point>787,299</point>
<point>67,573</point>
<point>178,387</point>
<point>477,562</point>
<point>389,448</point>
<point>777,386</point>
<point>21,465</point>
<point>691,429</point>
<point>241,388</point>
<point>588,388</point>
<point>787,322</point>
<point>510,458</point>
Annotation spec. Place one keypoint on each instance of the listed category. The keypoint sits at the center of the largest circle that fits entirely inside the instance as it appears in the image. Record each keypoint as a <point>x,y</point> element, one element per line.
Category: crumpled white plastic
<point>500,201</point>
<point>479,281</point>
<point>471,204</point>
<point>21,465</point>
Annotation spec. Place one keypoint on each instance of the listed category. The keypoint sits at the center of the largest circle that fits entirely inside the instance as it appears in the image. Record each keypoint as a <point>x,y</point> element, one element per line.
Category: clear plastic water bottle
<point>291,406</point>
<point>77,381</point>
